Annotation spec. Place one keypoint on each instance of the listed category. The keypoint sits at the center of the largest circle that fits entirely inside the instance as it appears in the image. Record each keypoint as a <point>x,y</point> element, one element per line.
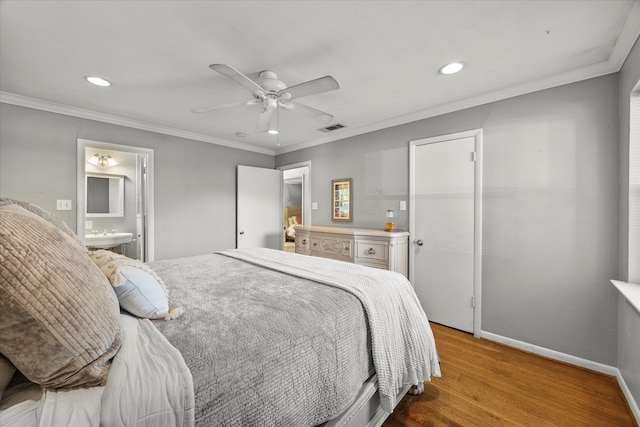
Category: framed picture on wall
<point>341,198</point>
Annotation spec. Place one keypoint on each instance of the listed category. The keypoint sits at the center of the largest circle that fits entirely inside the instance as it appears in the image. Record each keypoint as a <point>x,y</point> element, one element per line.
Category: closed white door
<point>259,208</point>
<point>443,184</point>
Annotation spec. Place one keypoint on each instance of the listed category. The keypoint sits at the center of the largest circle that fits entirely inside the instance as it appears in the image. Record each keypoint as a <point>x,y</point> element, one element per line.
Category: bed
<point>266,338</point>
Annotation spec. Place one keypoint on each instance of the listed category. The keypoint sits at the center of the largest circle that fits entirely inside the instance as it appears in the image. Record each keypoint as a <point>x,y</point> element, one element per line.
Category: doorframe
<point>477,214</point>
<point>81,188</point>
<point>306,189</point>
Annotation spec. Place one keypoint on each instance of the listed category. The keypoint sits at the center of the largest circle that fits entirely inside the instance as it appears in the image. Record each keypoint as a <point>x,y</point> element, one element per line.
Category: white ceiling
<point>384,54</point>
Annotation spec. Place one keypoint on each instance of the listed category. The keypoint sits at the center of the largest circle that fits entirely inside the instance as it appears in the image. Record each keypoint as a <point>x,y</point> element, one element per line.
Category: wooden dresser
<point>373,248</point>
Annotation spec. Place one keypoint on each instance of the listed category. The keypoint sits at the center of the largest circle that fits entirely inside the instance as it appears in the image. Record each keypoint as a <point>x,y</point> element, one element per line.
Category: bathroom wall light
<point>102,159</point>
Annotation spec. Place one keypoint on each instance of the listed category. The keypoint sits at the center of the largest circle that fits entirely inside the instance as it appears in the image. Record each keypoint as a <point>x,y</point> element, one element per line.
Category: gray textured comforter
<point>404,350</point>
<point>264,348</point>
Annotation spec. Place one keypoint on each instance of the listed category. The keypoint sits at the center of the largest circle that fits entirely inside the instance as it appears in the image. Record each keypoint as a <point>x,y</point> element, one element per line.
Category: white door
<point>259,208</point>
<point>443,184</point>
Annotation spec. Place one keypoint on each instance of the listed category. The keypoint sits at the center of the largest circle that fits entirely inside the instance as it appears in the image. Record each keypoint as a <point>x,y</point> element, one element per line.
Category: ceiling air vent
<point>332,128</point>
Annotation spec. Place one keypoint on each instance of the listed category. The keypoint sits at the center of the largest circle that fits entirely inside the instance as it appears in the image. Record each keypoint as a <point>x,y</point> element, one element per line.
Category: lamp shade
<point>102,159</point>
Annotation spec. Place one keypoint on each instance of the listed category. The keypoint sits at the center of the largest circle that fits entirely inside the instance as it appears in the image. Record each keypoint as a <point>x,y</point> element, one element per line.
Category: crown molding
<point>626,39</point>
<point>628,36</point>
<point>585,73</point>
<point>52,107</point>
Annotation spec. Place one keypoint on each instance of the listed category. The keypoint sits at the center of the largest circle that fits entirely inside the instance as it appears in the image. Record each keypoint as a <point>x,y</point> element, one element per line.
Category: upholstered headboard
<point>290,211</point>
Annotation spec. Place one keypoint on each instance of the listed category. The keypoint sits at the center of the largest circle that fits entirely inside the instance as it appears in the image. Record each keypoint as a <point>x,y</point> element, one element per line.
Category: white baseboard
<point>573,360</point>
<point>627,393</point>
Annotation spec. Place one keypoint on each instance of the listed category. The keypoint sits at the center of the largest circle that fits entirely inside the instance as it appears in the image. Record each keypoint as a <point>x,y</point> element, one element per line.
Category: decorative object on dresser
<point>341,200</point>
<point>373,248</point>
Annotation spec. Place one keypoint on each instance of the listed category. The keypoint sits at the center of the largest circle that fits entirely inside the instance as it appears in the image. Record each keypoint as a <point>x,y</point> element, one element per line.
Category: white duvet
<point>148,385</point>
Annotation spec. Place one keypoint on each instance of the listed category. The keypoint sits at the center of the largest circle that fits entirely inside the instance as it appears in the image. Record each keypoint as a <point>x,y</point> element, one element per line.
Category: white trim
<point>306,193</point>
<point>477,215</point>
<point>52,107</point>
<point>82,144</point>
<point>552,354</point>
<point>624,44</point>
<point>631,291</point>
<point>570,359</point>
<point>591,72</point>
<point>633,405</point>
<point>477,237</point>
<point>627,37</point>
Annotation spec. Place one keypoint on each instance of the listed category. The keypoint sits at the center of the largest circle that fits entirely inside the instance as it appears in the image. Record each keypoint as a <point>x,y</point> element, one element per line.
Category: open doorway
<point>119,218</point>
<point>296,205</point>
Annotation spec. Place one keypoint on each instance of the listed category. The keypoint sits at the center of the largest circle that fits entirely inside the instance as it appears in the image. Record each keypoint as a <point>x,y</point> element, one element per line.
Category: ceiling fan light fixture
<point>98,81</point>
<point>451,68</point>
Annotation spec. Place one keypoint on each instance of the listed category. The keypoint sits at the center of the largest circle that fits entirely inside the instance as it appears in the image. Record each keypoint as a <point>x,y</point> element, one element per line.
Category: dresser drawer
<point>303,244</point>
<point>372,248</point>
<point>372,251</point>
<point>330,247</point>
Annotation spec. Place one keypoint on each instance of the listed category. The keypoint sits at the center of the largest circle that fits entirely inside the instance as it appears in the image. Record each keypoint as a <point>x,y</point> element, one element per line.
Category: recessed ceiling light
<point>98,81</point>
<point>452,68</point>
<point>273,131</point>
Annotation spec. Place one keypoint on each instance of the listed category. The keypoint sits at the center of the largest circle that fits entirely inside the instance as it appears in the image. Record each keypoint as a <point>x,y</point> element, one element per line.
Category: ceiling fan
<point>270,93</point>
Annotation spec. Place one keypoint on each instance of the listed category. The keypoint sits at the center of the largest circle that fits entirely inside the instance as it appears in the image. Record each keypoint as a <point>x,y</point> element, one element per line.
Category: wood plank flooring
<point>485,383</point>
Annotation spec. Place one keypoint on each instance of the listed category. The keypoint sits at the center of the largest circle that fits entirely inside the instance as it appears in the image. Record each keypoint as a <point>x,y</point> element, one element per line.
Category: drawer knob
<point>304,241</point>
<point>371,251</point>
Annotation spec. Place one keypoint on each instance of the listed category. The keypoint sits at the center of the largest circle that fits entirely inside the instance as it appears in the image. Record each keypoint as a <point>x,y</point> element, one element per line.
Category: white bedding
<point>148,385</point>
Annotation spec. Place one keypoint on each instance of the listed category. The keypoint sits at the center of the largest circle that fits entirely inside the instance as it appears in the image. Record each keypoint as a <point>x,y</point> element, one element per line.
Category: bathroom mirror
<point>105,195</point>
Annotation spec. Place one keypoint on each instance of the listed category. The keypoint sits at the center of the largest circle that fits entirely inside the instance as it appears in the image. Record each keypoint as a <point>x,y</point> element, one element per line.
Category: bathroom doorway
<point>123,223</point>
<point>296,201</point>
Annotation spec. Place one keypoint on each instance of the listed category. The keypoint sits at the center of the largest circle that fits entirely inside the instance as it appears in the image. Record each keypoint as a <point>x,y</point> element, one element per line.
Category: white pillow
<point>139,289</point>
<point>140,293</point>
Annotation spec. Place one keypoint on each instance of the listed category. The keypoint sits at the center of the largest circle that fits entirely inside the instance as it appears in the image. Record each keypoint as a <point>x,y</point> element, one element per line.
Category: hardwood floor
<point>485,383</point>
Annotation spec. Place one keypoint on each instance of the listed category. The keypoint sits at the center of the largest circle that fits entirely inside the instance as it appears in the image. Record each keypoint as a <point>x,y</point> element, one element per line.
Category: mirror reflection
<point>105,195</point>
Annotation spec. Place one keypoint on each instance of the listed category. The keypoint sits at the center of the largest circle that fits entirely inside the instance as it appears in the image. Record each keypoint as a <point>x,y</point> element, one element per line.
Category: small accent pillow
<point>140,293</point>
<point>59,318</point>
<point>139,289</point>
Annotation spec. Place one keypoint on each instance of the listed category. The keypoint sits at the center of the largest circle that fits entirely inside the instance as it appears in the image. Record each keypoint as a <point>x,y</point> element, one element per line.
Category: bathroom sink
<point>107,241</point>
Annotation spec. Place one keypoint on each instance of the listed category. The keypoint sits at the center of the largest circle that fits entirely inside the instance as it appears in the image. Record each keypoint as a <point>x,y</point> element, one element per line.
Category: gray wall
<point>628,317</point>
<point>194,181</point>
<point>550,208</point>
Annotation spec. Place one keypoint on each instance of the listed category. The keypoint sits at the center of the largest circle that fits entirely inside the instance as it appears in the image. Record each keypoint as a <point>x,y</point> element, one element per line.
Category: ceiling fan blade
<point>223,106</point>
<point>238,77</point>
<point>312,113</point>
<point>312,87</point>
<point>264,119</point>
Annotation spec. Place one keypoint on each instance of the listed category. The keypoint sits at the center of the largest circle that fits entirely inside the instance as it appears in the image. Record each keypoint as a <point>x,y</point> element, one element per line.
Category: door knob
<point>419,242</point>
<point>242,232</point>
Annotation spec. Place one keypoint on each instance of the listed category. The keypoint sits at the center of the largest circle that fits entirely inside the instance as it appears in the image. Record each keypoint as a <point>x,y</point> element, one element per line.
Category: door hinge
<point>473,302</point>
<point>473,156</point>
